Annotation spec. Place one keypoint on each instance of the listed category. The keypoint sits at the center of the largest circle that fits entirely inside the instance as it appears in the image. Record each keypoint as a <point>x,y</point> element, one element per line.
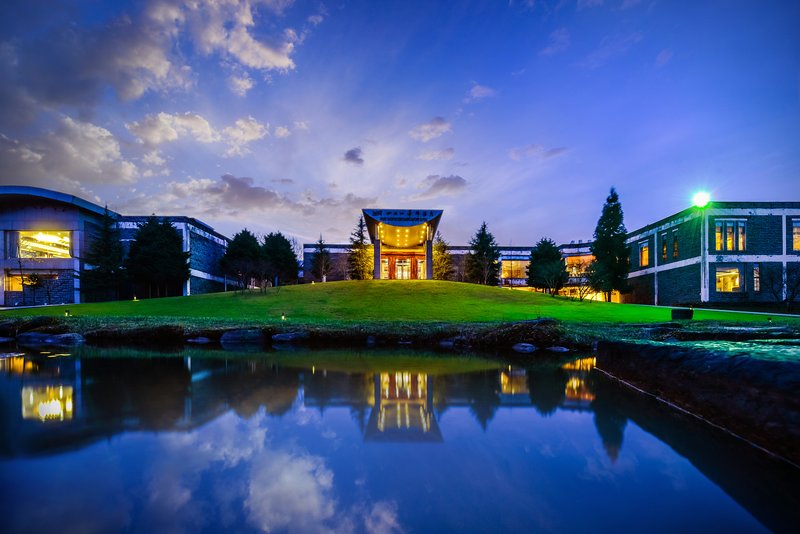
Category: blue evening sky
<point>292,116</point>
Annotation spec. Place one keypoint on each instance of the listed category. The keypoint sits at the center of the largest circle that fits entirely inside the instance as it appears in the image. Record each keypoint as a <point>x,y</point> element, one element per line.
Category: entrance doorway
<point>402,269</point>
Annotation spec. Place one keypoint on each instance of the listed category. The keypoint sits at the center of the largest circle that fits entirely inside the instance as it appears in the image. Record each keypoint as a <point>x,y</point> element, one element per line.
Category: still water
<point>107,440</point>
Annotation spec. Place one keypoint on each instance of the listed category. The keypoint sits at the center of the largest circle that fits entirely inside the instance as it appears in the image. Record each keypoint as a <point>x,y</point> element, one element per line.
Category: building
<point>402,242</point>
<point>722,253</point>
<point>46,233</point>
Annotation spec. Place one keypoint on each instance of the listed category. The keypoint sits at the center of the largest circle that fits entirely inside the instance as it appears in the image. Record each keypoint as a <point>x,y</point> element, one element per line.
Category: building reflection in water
<point>47,403</point>
<point>402,408</point>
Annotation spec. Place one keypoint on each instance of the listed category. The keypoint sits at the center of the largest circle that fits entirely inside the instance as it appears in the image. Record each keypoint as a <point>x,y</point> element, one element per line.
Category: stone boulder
<point>524,348</point>
<point>289,337</point>
<point>37,339</point>
<point>242,337</point>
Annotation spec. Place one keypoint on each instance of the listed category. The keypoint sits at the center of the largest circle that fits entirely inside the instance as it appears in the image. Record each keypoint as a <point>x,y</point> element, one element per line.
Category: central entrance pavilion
<point>402,242</point>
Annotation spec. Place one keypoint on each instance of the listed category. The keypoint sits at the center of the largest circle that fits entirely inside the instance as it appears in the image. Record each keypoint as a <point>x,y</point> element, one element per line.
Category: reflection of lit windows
<point>796,234</point>
<point>40,244</point>
<point>730,235</point>
<point>576,389</point>
<point>583,364</point>
<point>47,403</point>
<point>728,280</point>
<point>756,278</point>
<point>514,382</point>
<point>644,254</point>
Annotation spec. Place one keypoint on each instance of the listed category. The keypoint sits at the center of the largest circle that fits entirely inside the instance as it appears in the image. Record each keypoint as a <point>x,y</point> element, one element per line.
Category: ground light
<point>701,199</point>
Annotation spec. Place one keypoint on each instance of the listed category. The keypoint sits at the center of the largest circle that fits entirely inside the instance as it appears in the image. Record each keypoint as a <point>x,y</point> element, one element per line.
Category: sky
<point>292,116</point>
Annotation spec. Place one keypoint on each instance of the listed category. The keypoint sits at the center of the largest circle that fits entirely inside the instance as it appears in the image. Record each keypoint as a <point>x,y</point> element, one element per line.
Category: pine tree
<point>609,270</point>
<point>483,263</point>
<point>281,261</point>
<point>243,258</point>
<point>442,259</point>
<point>547,270</point>
<point>156,263</point>
<point>321,263</point>
<point>104,273</point>
<point>359,259</point>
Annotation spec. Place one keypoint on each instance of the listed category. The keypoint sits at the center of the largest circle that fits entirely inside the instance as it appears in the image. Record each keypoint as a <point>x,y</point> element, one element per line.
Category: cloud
<point>558,41</point>
<point>300,125</point>
<point>441,185</point>
<point>436,127</point>
<point>663,57</point>
<point>627,4</point>
<point>478,93</point>
<point>535,151</point>
<point>242,133</point>
<point>354,156</point>
<point>611,47</point>
<point>284,181</point>
<point>282,132</point>
<point>75,151</point>
<point>160,128</point>
<point>431,155</point>
<point>586,4</point>
<point>240,85</point>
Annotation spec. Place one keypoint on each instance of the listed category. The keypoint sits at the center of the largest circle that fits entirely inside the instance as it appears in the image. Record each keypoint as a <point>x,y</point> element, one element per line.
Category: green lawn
<point>381,301</point>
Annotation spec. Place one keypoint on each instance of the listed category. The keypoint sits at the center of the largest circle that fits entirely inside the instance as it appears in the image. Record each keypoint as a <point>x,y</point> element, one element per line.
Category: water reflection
<point>261,440</point>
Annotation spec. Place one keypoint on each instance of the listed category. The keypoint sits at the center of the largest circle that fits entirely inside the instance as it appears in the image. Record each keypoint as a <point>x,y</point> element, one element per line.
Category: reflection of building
<point>44,234</point>
<point>402,409</point>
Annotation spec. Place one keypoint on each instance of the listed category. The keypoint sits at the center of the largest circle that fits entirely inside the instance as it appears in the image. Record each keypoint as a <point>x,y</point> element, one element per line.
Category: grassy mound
<point>377,301</point>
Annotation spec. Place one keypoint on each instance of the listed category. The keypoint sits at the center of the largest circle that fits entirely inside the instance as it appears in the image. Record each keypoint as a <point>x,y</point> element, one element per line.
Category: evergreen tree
<point>483,262</point>
<point>104,273</point>
<point>281,261</point>
<point>442,259</point>
<point>156,263</point>
<point>609,270</point>
<point>360,263</point>
<point>547,270</point>
<point>321,263</point>
<point>243,258</point>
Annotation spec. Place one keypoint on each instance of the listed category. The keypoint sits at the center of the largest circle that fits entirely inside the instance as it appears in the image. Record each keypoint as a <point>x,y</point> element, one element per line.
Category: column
<point>429,259</point>
<point>377,261</point>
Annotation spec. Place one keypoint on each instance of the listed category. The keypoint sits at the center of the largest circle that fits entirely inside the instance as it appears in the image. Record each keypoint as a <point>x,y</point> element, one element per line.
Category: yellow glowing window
<point>43,244</point>
<point>675,245</point>
<point>728,280</point>
<point>664,247</point>
<point>644,254</point>
<point>731,235</point>
<point>796,235</point>
<point>13,283</point>
<point>514,268</point>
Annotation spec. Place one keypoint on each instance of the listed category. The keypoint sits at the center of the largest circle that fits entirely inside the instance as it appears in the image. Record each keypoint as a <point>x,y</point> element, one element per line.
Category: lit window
<point>663,247</point>
<point>675,244</point>
<point>41,244</point>
<point>13,283</point>
<point>730,235</point>
<point>513,268</point>
<point>796,234</point>
<point>384,269</point>
<point>728,280</point>
<point>756,278</point>
<point>644,254</point>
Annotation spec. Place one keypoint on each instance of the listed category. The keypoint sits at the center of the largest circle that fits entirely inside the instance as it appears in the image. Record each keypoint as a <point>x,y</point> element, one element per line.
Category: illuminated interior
<point>44,244</point>
<point>403,402</point>
<point>728,280</point>
<point>514,382</point>
<point>47,403</point>
<point>644,255</point>
<point>796,235</point>
<point>513,268</point>
<point>15,282</point>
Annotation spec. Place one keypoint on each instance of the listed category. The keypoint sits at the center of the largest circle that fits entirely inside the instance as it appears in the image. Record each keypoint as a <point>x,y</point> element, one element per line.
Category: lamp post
<point>701,200</point>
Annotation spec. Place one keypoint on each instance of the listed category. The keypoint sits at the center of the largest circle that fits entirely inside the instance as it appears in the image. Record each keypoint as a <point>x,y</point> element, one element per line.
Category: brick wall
<point>679,287</point>
<point>763,235</point>
<point>201,285</point>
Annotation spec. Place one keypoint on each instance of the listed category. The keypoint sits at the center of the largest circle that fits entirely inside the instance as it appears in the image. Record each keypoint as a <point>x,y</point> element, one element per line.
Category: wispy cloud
<point>478,92</point>
<point>431,155</point>
<point>610,48</point>
<point>354,156</point>
<point>282,132</point>
<point>664,57</point>
<point>436,127</point>
<point>558,41</point>
<point>535,151</point>
<point>436,185</point>
<point>586,4</point>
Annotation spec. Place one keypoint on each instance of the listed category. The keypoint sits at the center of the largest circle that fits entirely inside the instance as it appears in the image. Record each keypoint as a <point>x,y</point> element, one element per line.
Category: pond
<point>106,440</point>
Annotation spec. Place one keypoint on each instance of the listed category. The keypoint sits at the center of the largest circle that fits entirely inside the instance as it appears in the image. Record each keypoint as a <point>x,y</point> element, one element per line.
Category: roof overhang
<point>401,228</point>
<point>47,194</point>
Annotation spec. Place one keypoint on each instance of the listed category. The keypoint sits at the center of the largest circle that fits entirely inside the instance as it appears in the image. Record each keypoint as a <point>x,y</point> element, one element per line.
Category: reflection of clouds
<point>290,493</point>
<point>382,519</point>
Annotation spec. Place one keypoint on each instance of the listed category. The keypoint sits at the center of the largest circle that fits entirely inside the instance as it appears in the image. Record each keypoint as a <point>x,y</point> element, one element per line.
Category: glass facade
<point>40,244</point>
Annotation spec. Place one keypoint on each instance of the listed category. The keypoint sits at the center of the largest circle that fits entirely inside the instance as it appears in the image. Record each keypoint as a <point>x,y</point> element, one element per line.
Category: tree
<point>156,262</point>
<point>359,259</point>
<point>104,273</point>
<point>784,287</point>
<point>321,263</point>
<point>442,259</point>
<point>280,259</point>
<point>611,254</point>
<point>483,262</point>
<point>242,258</point>
<point>547,270</point>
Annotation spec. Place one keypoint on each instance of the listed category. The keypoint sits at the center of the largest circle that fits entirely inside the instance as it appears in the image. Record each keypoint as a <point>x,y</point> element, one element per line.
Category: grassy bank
<point>378,301</point>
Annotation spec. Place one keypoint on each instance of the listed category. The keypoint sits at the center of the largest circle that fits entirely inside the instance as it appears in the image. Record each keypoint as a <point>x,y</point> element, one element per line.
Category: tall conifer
<point>609,270</point>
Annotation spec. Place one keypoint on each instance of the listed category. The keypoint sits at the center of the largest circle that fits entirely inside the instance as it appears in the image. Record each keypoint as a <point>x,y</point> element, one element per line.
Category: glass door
<point>402,269</point>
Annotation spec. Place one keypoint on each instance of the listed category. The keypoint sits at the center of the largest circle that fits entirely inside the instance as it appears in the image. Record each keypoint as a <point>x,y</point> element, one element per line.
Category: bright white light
<point>701,199</point>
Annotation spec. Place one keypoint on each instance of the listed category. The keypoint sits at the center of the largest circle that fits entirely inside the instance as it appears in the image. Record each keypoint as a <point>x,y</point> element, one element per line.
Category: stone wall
<point>201,285</point>
<point>206,254</point>
<point>60,291</point>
